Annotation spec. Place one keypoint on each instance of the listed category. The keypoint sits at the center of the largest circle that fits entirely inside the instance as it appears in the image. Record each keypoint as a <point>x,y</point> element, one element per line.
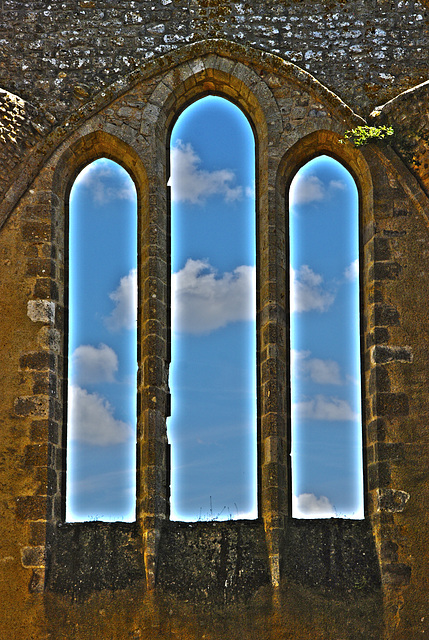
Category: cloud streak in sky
<point>124,315</point>
<point>308,291</point>
<point>318,370</point>
<point>93,364</point>
<point>190,183</point>
<point>203,302</point>
<point>91,419</point>
<point>323,408</point>
<point>307,505</point>
<point>309,188</point>
<point>352,271</point>
<point>105,184</point>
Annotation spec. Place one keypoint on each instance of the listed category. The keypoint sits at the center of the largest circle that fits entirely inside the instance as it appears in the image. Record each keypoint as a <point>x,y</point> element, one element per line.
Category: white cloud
<point>309,188</point>
<point>106,182</point>
<point>352,271</point>
<point>352,380</point>
<point>189,183</point>
<point>93,364</point>
<point>124,315</point>
<point>306,189</point>
<point>202,302</point>
<point>307,505</point>
<point>322,408</point>
<point>337,184</point>
<point>308,292</point>
<point>91,419</point>
<point>320,371</point>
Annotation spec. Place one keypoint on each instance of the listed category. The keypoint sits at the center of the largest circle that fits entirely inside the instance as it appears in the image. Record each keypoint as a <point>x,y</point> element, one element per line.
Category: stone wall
<point>110,81</point>
<point>57,54</point>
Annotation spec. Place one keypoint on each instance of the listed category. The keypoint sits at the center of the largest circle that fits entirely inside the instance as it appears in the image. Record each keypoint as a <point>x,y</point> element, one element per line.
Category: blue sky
<point>213,423</point>
<point>213,371</point>
<point>325,367</point>
<point>102,345</point>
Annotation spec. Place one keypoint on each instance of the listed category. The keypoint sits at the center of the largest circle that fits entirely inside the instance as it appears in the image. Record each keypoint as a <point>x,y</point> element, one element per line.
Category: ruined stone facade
<point>84,79</point>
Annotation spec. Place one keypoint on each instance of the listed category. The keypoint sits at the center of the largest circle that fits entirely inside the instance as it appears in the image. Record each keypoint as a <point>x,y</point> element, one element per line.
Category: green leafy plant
<point>363,134</point>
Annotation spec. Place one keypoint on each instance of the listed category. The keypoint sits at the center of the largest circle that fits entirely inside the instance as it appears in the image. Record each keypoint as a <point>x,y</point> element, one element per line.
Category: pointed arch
<point>310,147</point>
<point>102,345</point>
<point>325,330</point>
<point>80,152</point>
<point>214,345</point>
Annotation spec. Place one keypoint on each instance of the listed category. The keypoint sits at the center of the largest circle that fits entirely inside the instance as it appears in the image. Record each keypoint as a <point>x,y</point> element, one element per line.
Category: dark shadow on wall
<point>95,556</point>
<point>215,562</point>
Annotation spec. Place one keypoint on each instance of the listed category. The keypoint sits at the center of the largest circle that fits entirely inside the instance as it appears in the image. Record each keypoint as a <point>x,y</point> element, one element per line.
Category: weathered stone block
<point>33,508</point>
<point>33,557</point>
<point>377,430</point>
<point>41,267</point>
<point>152,424</point>
<point>391,404</point>
<point>273,424</point>
<point>38,455</point>
<point>37,212</point>
<point>396,574</point>
<point>392,500</point>
<point>46,288</point>
<point>37,582</point>
<point>378,475</point>
<point>45,384</point>
<point>47,479</point>
<point>378,336</point>
<point>385,315</point>
<point>385,271</point>
<point>389,551</point>
<point>44,430</point>
<point>32,406</point>
<point>379,379</point>
<point>41,310</point>
<point>383,354</point>
<point>153,371</point>
<point>381,249</point>
<point>37,534</point>
<point>36,232</point>
<point>37,360</point>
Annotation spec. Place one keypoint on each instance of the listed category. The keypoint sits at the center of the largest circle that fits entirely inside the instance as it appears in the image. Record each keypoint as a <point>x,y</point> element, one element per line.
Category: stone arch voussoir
<point>237,71</point>
<point>324,142</point>
<point>84,149</point>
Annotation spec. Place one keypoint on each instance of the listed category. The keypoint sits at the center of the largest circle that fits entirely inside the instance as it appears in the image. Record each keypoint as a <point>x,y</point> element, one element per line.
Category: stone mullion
<point>273,443</point>
<point>152,492</point>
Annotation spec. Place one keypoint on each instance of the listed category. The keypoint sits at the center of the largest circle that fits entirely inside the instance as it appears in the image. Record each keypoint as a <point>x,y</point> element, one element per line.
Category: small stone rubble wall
<point>56,54</point>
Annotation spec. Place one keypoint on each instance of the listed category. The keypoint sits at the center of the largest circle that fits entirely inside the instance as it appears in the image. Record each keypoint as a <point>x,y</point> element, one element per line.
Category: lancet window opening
<point>325,370</point>
<point>213,371</point>
<point>102,345</point>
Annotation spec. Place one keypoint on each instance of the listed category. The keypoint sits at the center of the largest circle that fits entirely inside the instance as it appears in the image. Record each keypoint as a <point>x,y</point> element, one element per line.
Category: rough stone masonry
<point>86,79</point>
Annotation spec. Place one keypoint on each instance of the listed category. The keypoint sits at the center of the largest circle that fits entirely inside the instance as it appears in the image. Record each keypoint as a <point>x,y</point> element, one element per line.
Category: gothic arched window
<point>325,342</point>
<point>213,372</point>
<point>102,345</point>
